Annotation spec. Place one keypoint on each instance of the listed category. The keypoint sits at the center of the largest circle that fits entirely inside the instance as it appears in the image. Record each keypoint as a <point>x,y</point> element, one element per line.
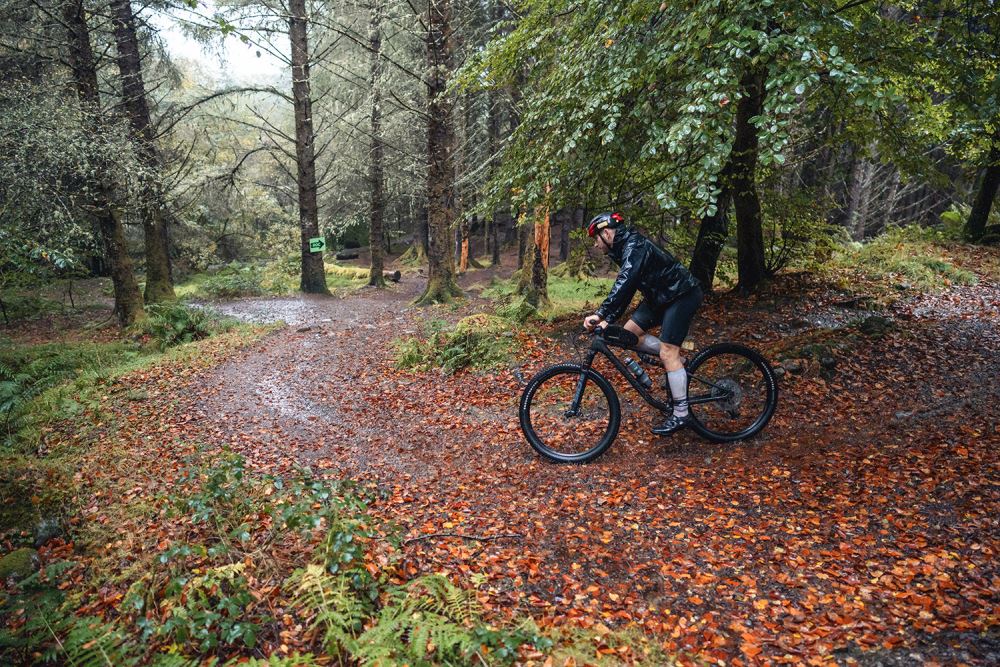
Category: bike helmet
<point>602,220</point>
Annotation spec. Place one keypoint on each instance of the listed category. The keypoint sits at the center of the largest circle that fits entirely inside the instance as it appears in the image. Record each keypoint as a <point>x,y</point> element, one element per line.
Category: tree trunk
<point>128,299</point>
<point>988,185</point>
<point>313,279</point>
<point>749,235</point>
<point>159,285</point>
<point>524,235</point>
<point>493,100</point>
<point>538,294</point>
<point>441,286</point>
<point>713,233</point>
<point>564,217</point>
<point>375,168</point>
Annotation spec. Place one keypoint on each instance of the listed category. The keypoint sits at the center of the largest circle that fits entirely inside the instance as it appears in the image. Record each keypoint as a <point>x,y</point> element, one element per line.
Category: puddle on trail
<point>293,311</point>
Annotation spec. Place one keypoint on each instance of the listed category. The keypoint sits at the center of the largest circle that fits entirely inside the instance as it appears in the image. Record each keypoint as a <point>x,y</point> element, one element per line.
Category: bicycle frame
<point>599,346</point>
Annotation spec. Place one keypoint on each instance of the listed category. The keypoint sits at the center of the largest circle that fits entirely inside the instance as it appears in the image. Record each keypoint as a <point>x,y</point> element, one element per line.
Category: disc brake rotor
<point>730,394</point>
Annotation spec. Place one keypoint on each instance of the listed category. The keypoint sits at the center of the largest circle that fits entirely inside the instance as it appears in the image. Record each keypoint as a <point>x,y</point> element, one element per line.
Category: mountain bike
<point>570,412</point>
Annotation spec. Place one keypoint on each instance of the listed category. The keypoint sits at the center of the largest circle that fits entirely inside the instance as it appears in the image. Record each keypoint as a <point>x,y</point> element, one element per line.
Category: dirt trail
<point>863,518</point>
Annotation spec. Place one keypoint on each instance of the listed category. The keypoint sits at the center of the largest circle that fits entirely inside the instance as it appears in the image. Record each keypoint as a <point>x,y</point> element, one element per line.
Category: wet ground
<point>815,536</point>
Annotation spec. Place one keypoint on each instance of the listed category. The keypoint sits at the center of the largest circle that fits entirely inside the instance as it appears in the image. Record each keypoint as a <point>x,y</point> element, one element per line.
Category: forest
<point>280,281</point>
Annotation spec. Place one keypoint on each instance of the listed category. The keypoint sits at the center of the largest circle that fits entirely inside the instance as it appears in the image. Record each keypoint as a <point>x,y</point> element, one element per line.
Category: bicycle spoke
<point>565,428</point>
<point>728,394</point>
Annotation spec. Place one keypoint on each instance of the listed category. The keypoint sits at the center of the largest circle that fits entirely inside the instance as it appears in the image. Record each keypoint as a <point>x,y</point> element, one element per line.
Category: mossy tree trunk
<point>441,285</point>
<point>375,169</point>
<point>313,280</point>
<point>159,285</point>
<point>128,299</point>
<point>534,276</point>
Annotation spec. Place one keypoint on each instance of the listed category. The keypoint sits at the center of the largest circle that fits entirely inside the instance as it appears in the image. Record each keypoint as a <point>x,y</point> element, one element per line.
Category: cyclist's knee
<point>669,352</point>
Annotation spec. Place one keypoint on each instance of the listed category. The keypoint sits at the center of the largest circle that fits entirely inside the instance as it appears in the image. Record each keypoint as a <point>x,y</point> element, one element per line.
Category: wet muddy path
<point>817,533</point>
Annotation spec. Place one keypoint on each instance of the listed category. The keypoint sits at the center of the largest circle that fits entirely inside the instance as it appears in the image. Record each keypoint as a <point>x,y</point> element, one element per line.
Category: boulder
<point>47,529</point>
<point>793,365</point>
<point>19,564</point>
<point>875,326</point>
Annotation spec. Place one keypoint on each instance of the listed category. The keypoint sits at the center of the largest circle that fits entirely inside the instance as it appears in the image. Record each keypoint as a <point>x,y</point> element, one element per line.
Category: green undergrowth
<point>204,597</point>
<point>49,382</point>
<point>277,278</point>
<point>903,257</point>
<point>478,341</point>
<point>567,294</point>
<point>47,389</point>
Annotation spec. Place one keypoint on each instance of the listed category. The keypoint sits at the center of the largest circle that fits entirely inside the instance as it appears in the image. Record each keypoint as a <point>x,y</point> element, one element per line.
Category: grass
<point>277,278</point>
<point>43,386</point>
<point>566,296</point>
<point>478,341</point>
<point>901,258</point>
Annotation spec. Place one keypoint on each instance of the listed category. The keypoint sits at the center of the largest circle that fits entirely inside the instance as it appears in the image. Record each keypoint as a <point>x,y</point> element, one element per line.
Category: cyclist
<point>671,295</point>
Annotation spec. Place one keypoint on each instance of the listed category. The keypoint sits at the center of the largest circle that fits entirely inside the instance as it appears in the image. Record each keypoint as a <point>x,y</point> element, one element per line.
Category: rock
<point>47,529</point>
<point>828,362</point>
<point>347,254</point>
<point>19,564</point>
<point>875,326</point>
<point>793,365</point>
<point>779,370</point>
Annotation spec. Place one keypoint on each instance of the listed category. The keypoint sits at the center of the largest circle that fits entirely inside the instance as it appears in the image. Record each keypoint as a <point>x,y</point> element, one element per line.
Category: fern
<point>85,641</point>
<point>435,593</point>
<point>332,602</point>
<point>429,621</point>
<point>307,660</point>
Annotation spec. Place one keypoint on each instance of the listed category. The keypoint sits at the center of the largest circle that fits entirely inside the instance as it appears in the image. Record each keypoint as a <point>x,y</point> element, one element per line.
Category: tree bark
<point>313,280</point>
<point>524,236</point>
<point>376,168</point>
<point>128,299</point>
<point>563,218</point>
<point>749,234</point>
<point>988,186</point>
<point>441,286</point>
<point>539,292</point>
<point>159,285</point>
<point>712,233</point>
<point>494,143</point>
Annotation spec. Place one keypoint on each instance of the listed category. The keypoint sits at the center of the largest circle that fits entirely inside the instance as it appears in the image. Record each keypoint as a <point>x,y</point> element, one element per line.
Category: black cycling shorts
<point>674,319</point>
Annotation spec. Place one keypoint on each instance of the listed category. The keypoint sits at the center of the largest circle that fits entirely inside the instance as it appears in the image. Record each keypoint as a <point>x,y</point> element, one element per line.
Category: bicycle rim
<point>732,393</point>
<point>562,431</point>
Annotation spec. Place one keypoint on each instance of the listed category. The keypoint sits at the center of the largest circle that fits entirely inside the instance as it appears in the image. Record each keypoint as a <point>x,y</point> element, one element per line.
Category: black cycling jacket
<point>646,267</point>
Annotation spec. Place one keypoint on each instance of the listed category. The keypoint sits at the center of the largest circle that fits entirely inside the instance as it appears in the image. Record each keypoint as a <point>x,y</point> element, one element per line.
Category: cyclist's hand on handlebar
<point>593,321</point>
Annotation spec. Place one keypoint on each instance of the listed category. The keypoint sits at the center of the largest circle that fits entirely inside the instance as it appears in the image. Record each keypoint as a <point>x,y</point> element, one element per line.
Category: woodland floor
<point>862,525</point>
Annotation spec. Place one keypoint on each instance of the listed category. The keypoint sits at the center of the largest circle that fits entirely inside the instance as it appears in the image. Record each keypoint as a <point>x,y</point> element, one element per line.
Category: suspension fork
<point>574,408</point>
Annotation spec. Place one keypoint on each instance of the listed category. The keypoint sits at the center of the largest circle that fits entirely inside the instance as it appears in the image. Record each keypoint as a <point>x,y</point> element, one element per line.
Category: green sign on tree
<point>317,244</point>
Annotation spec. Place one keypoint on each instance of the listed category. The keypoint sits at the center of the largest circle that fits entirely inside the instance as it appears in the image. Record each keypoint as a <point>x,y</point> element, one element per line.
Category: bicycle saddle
<point>619,336</point>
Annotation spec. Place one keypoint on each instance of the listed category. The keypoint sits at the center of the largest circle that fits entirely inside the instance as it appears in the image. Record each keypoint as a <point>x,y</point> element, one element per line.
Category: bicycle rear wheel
<point>732,392</point>
<point>569,414</point>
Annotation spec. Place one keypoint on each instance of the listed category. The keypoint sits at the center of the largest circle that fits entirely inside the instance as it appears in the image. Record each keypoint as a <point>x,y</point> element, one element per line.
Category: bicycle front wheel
<point>732,392</point>
<point>570,414</point>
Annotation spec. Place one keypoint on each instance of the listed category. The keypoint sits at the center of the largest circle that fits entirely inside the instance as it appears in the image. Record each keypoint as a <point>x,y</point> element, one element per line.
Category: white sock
<point>679,390</point>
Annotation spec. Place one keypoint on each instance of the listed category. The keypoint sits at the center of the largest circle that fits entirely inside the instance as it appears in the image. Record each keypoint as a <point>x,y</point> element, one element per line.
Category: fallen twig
<point>480,538</point>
